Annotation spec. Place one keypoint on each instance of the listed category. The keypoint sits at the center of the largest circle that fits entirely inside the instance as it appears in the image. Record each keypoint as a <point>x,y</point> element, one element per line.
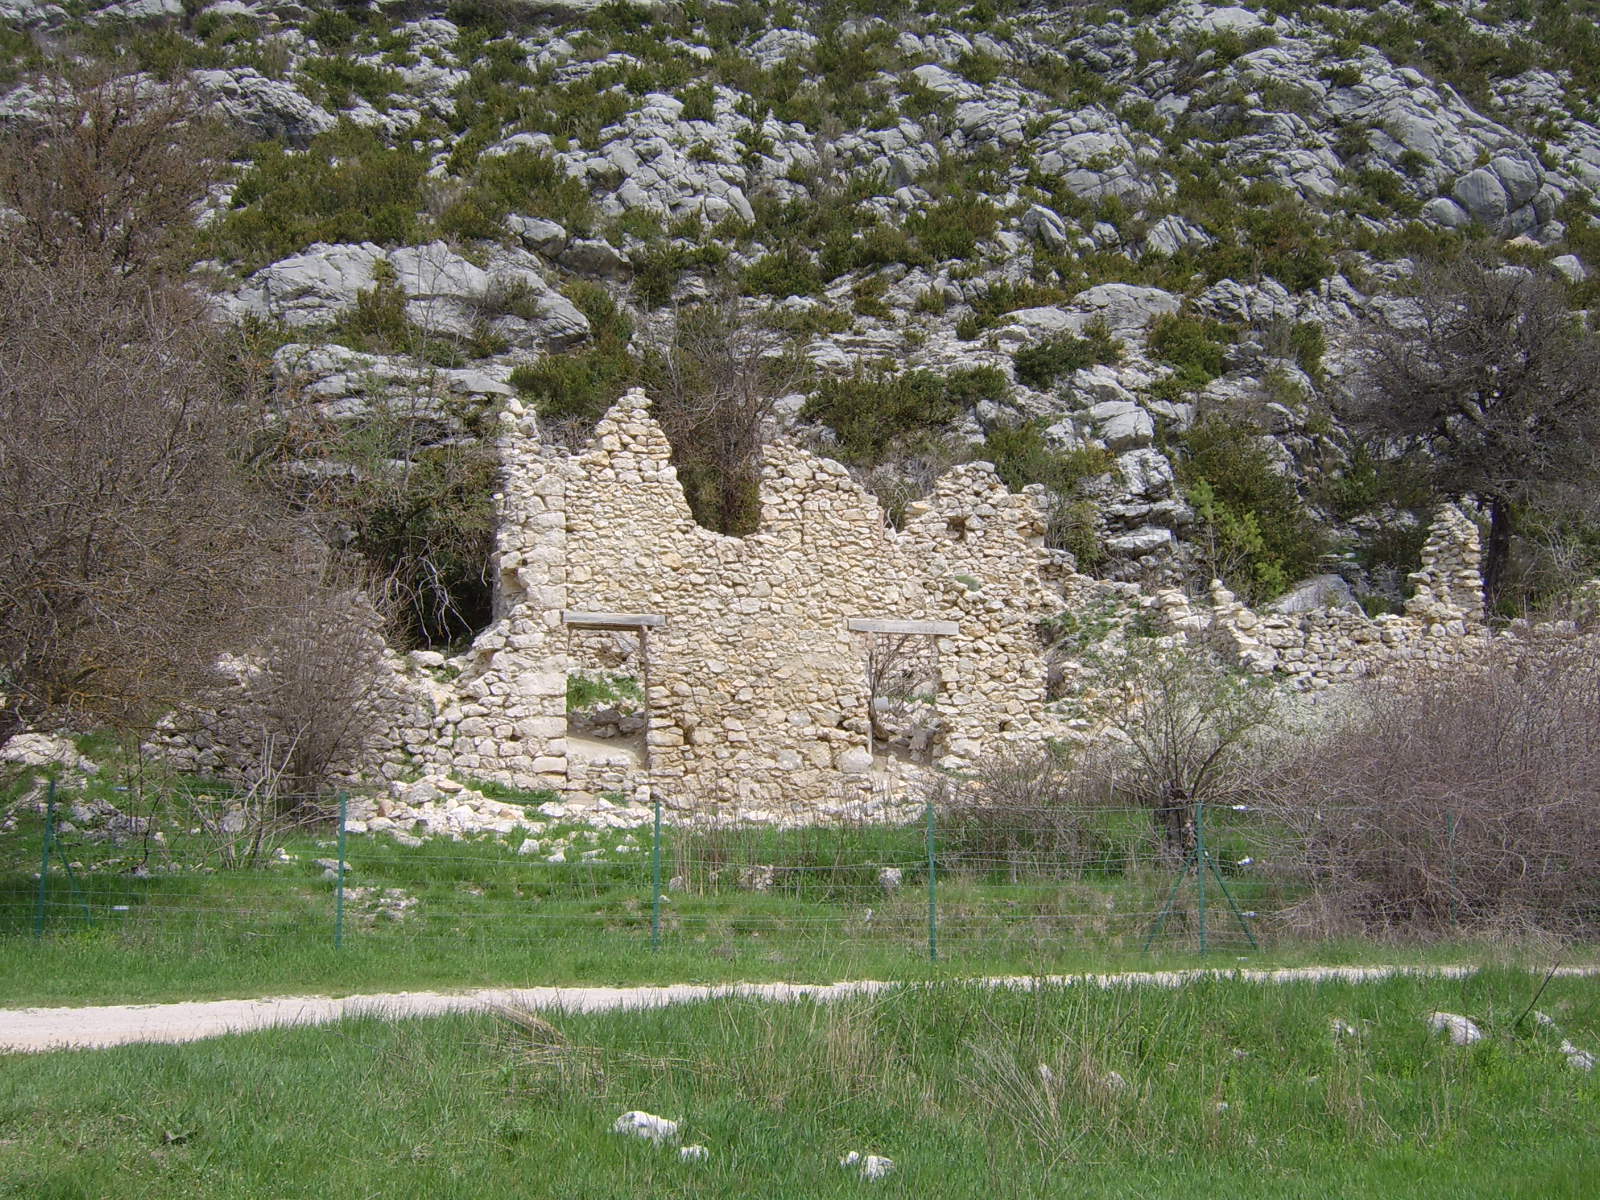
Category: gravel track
<point>38,1029</point>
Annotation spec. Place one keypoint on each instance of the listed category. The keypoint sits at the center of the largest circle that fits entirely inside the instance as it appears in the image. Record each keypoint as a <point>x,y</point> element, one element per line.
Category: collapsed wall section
<point>1442,623</point>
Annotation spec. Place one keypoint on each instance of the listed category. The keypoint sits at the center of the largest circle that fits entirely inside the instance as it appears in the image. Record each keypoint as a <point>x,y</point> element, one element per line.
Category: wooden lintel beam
<point>884,625</point>
<point>610,620</point>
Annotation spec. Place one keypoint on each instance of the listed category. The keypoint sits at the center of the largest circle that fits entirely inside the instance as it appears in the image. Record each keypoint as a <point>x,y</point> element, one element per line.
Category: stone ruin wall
<point>756,688</point>
<point>1442,622</point>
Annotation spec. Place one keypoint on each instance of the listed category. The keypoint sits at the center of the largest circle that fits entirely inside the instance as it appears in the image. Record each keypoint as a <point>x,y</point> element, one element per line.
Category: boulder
<point>267,108</point>
<point>1318,592</point>
<point>1126,307</point>
<point>1045,226</point>
<point>1483,197</point>
<point>1445,212</point>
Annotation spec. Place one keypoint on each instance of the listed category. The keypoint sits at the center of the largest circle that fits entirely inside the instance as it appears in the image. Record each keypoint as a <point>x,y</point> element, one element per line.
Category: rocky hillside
<point>1128,254</point>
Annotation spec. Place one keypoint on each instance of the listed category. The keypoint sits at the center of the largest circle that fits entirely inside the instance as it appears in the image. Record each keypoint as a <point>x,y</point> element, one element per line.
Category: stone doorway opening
<point>608,704</point>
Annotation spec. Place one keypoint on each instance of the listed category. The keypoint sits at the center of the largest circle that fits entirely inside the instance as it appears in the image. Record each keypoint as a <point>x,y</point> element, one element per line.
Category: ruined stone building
<point>752,650</point>
<point>753,654</point>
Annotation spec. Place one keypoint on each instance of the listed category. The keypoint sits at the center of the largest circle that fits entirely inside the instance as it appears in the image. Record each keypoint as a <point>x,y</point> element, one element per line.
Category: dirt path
<point>35,1029</point>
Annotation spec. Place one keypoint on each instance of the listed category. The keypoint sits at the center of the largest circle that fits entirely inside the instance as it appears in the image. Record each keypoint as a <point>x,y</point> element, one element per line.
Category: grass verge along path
<point>1217,1085</point>
<point>38,1029</point>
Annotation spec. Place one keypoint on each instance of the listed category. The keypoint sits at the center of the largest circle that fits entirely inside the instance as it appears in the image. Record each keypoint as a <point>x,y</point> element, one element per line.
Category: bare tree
<point>902,685</point>
<point>1494,387</point>
<point>109,168</point>
<point>714,383</point>
<point>1186,731</point>
<point>317,692</point>
<point>132,547</point>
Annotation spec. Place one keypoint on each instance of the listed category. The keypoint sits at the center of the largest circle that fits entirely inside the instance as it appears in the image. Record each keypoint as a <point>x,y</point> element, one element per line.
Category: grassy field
<point>142,920</point>
<point>1065,1091</point>
<point>139,922</point>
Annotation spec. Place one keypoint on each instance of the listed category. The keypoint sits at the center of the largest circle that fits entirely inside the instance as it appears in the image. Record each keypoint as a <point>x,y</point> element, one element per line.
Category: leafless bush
<point>1021,811</point>
<point>715,381</point>
<point>239,832</point>
<point>1186,730</point>
<point>902,685</point>
<point>111,168</point>
<point>1467,797</point>
<point>132,545</point>
<point>318,694</point>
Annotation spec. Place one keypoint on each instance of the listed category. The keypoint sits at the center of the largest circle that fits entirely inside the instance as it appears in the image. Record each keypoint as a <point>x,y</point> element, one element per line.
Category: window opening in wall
<point>902,695</point>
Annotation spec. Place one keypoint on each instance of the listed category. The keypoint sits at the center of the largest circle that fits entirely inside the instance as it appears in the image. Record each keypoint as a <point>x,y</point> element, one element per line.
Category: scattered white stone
<point>889,879</point>
<point>695,1153</point>
<point>1462,1031</point>
<point>646,1125</point>
<point>758,878</point>
<point>872,1166</point>
<point>1580,1060</point>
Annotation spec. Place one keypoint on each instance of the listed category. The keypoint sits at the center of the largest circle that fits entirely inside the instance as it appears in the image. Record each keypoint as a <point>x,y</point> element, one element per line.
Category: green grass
<point>480,913</point>
<point>1226,1086</point>
<point>160,920</point>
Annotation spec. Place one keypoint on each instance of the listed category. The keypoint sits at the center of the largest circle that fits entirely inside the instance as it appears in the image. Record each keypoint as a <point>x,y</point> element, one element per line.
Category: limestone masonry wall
<point>756,688</point>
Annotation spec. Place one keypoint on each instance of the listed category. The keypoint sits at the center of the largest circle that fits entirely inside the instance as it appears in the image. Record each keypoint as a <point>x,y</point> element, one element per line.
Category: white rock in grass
<point>1462,1031</point>
<point>646,1125</point>
<point>890,879</point>
<point>872,1166</point>
<point>695,1153</point>
<point>1342,1029</point>
<point>1581,1060</point>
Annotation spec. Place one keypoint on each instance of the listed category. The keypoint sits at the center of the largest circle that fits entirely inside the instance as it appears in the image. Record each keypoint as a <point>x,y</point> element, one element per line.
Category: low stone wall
<point>1442,622</point>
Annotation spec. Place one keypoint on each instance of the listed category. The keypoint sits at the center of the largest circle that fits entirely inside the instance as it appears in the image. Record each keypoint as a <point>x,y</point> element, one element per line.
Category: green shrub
<point>1023,457</point>
<point>1195,347</point>
<point>953,227</point>
<point>1001,298</point>
<point>343,77</point>
<point>330,27</point>
<point>700,103</point>
<point>783,273</point>
<point>871,414</point>
<point>537,185</point>
<point>1040,366</point>
<point>1254,514</point>
<point>377,323</point>
<point>347,186</point>
<point>579,385</point>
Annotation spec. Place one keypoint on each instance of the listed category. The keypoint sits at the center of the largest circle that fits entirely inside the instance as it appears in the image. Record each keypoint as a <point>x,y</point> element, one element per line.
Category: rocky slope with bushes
<point>1132,254</point>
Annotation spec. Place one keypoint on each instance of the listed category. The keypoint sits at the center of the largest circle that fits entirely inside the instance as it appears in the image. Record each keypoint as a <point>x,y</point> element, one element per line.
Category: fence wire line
<point>1025,866</point>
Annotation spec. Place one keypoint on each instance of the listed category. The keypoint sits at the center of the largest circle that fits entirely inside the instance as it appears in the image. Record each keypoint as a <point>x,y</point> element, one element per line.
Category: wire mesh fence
<point>944,881</point>
<point>949,880</point>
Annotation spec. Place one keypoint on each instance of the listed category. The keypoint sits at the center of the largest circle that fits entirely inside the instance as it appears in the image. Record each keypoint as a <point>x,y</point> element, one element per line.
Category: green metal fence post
<point>655,882</point>
<point>338,901</point>
<point>1201,861</point>
<point>933,890</point>
<point>1450,849</point>
<point>44,859</point>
